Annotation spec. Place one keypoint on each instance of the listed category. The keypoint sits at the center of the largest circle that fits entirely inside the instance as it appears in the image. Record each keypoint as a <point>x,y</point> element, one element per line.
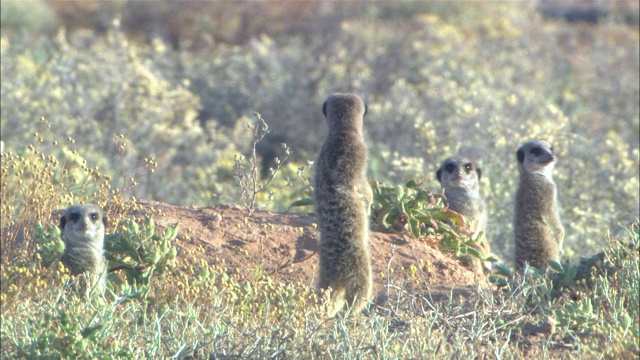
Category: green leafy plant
<point>419,210</point>
<point>141,253</point>
<point>577,316</point>
<point>51,246</point>
<point>501,275</point>
<point>424,214</point>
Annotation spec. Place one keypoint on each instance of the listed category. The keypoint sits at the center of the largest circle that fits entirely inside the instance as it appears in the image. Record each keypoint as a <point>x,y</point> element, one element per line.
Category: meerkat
<point>538,231</point>
<point>83,229</point>
<point>460,180</point>
<point>343,200</point>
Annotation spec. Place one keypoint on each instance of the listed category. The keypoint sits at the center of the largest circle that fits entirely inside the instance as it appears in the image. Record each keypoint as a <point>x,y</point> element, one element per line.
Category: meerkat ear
<point>366,109</point>
<point>324,109</point>
<point>104,220</point>
<point>479,171</point>
<point>439,175</point>
<point>520,155</point>
<point>63,222</point>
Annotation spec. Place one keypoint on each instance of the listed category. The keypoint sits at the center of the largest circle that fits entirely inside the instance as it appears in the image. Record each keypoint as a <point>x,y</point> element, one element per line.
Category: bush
<point>431,93</point>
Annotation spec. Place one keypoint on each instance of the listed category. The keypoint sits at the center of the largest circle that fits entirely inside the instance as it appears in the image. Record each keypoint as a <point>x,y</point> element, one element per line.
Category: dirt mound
<point>285,247</point>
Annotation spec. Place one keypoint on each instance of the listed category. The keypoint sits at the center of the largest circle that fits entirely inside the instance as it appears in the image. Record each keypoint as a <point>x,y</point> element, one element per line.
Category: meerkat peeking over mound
<point>83,228</point>
<point>538,231</point>
<point>460,180</point>
<point>343,200</point>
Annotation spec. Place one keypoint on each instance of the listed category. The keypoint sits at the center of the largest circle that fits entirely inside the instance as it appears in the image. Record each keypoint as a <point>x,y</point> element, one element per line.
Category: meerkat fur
<point>539,234</point>
<point>460,180</point>
<point>343,199</point>
<point>83,229</point>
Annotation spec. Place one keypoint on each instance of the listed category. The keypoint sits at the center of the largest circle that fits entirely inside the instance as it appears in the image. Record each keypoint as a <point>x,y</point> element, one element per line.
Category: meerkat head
<point>344,111</point>
<point>536,157</point>
<point>83,224</point>
<point>459,172</point>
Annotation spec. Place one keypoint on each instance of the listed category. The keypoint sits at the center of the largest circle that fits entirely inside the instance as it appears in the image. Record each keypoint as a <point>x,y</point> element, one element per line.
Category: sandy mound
<point>285,247</point>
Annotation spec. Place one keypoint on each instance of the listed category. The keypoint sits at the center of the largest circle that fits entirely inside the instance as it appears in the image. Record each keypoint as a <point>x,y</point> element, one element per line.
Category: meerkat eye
<point>536,151</point>
<point>74,217</point>
<point>450,167</point>
<point>467,167</point>
<point>94,216</point>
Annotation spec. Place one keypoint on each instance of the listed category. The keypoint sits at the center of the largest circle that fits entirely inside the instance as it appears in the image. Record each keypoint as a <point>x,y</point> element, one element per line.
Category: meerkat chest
<point>460,198</point>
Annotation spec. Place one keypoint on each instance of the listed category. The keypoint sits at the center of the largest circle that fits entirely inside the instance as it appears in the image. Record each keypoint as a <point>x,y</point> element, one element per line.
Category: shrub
<point>431,93</point>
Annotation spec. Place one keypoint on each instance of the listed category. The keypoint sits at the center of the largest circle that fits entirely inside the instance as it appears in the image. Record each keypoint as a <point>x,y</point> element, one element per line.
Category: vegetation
<point>103,112</point>
<point>424,215</point>
<point>247,173</point>
<point>431,93</point>
<point>209,311</point>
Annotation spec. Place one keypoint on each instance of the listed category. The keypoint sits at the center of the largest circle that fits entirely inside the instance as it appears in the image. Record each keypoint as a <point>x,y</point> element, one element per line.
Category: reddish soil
<point>285,247</point>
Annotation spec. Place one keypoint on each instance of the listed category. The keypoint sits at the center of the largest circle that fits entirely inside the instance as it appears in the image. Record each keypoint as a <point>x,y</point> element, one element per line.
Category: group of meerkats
<point>343,200</point>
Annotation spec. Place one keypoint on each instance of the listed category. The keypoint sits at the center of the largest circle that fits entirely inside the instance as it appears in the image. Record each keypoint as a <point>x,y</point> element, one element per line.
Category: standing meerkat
<point>343,199</point>
<point>460,180</point>
<point>83,228</point>
<point>538,231</point>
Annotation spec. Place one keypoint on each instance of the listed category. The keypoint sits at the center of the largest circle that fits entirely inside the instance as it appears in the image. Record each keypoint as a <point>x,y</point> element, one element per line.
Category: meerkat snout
<point>536,157</point>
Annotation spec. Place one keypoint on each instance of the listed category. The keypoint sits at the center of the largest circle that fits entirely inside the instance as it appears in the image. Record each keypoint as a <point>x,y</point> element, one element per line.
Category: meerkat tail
<point>338,300</point>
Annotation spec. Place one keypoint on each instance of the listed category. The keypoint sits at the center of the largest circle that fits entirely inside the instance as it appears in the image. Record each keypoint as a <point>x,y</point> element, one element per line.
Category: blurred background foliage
<point>182,79</point>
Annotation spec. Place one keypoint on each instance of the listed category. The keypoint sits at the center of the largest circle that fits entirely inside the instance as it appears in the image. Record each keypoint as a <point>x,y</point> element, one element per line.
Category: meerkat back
<point>539,234</point>
<point>343,199</point>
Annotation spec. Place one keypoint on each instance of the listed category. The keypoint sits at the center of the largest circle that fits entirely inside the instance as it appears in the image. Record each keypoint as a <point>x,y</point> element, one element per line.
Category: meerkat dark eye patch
<point>551,148</point>
<point>536,151</point>
<point>74,217</point>
<point>94,216</point>
<point>450,168</point>
<point>468,167</point>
